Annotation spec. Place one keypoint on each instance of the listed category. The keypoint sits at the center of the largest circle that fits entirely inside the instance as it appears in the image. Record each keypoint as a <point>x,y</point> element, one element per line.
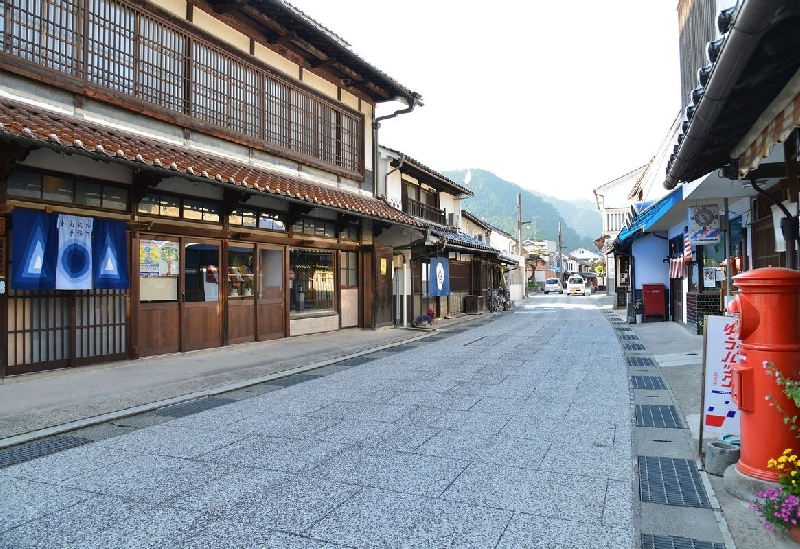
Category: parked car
<point>553,285</point>
<point>576,285</point>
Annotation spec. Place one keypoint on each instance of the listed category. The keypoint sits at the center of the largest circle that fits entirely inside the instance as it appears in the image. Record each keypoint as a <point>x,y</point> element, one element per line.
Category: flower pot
<point>638,318</point>
<point>794,533</point>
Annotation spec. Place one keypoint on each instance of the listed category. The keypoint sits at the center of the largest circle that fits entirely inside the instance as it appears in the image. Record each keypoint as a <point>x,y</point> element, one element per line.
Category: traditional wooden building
<point>184,174</point>
<point>438,266</point>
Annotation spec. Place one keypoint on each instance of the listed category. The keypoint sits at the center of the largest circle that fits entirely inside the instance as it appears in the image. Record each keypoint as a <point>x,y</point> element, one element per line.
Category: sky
<point>557,97</point>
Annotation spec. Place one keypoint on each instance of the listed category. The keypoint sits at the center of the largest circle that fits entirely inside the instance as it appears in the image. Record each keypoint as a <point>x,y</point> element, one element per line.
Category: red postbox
<point>768,319</point>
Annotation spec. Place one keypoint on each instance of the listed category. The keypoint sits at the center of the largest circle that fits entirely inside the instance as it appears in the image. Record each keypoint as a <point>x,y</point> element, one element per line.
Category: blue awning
<point>648,217</point>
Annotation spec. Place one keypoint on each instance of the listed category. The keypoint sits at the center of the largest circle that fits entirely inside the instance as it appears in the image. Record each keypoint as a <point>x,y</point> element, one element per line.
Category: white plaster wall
<point>222,31</point>
<point>303,326</point>
<point>177,7</point>
<point>320,84</point>
<point>349,312</point>
<point>648,252</point>
<point>266,55</point>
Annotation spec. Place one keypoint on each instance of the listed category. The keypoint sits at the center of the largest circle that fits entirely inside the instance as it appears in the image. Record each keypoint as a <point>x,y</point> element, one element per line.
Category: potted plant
<point>638,309</point>
<point>247,286</point>
<point>780,508</point>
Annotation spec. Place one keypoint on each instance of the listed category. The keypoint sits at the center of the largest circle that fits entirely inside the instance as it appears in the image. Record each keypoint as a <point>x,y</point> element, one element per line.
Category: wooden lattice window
<point>123,46</point>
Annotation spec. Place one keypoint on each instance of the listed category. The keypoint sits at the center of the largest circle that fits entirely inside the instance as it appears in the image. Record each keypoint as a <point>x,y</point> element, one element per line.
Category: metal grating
<point>640,361</point>
<point>658,415</point>
<point>357,361</point>
<point>634,347</point>
<point>39,448</point>
<point>192,406</point>
<point>623,328</point>
<point>671,481</point>
<point>653,383</point>
<point>649,541</point>
<point>628,337</point>
<point>295,379</point>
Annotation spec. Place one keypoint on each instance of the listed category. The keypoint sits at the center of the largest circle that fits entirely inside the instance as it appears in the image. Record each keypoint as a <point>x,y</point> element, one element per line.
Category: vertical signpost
<point>721,348</point>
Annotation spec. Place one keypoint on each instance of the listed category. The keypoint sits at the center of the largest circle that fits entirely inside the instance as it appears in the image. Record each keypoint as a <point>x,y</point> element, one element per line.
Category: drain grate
<point>357,361</point>
<point>628,337</point>
<point>192,407</point>
<point>623,328</point>
<point>405,347</point>
<point>649,541</point>
<point>288,381</point>
<point>39,448</point>
<point>634,347</point>
<point>640,361</point>
<point>658,415</point>
<point>671,481</point>
<point>653,383</point>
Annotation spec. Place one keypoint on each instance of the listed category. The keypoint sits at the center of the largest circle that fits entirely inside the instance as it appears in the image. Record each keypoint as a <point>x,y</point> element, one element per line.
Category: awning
<point>774,126</point>
<point>648,217</point>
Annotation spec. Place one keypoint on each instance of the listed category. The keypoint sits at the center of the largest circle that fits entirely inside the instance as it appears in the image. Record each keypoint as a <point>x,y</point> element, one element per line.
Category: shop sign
<point>704,224</point>
<point>720,413</point>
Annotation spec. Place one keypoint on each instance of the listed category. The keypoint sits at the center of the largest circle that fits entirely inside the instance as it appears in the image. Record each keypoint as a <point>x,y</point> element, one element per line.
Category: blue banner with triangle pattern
<point>50,252</point>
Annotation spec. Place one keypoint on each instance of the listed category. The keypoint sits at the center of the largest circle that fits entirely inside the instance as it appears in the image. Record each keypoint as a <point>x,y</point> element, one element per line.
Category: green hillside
<point>495,201</point>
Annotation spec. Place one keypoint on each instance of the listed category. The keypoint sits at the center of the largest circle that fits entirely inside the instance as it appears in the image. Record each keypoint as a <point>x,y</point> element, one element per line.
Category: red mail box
<point>654,301</point>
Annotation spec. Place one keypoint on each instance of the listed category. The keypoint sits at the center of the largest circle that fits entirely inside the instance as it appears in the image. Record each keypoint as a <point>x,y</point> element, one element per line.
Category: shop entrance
<point>179,295</point>
<point>271,320</point>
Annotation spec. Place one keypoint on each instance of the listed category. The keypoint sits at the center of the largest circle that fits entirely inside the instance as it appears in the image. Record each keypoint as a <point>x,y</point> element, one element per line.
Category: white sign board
<point>704,224</point>
<point>720,414</point>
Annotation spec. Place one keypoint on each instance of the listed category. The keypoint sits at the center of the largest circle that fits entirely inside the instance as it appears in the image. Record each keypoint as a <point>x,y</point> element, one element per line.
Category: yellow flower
<point>779,467</point>
<point>787,451</point>
<point>793,458</point>
<point>772,463</point>
<point>782,459</point>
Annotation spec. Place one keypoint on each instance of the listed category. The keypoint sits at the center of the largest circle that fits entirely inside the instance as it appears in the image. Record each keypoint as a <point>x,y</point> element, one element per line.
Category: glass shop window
<point>311,280</point>
<point>241,279</point>
<point>159,266</point>
<point>349,270</point>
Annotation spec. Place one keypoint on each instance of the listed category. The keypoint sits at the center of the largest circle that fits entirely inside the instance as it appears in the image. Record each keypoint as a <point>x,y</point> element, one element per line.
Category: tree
<point>533,259</point>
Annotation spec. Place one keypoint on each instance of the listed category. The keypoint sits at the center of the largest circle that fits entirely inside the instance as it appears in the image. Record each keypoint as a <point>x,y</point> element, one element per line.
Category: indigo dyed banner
<point>67,252</point>
<point>439,277</point>
<point>110,255</point>
<point>34,245</point>
<point>74,267</point>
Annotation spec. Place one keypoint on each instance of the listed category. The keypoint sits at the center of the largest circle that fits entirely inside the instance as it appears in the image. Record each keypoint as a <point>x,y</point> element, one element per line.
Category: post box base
<point>719,456</point>
<point>743,486</point>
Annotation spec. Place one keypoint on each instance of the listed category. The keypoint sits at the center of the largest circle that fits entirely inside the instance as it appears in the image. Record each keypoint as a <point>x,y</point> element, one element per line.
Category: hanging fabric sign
<point>67,252</point>
<point>439,277</point>
<point>34,246</point>
<point>74,264</point>
<point>109,255</point>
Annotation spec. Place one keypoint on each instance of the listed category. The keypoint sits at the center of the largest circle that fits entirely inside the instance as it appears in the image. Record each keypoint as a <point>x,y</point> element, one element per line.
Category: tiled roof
<point>37,126</point>
<point>453,236</point>
<point>430,172</point>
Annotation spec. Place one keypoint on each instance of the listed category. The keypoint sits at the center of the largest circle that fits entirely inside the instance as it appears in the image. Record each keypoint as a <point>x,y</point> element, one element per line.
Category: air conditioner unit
<point>454,220</point>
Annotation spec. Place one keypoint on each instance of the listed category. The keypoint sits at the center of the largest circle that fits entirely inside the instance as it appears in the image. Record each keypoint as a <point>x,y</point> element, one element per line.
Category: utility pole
<point>519,244</point>
<point>560,256</point>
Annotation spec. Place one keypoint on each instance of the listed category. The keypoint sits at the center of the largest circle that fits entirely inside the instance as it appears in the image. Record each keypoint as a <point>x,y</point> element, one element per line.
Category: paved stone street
<point>508,432</point>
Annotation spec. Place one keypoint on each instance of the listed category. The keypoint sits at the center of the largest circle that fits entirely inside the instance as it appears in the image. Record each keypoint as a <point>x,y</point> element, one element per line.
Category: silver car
<point>553,285</point>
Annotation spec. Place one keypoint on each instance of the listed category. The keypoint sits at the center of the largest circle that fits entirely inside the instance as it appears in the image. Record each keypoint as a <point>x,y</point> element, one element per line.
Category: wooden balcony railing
<point>429,213</point>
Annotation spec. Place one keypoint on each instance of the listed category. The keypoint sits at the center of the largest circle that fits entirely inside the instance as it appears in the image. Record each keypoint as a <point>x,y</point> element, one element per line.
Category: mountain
<point>495,201</point>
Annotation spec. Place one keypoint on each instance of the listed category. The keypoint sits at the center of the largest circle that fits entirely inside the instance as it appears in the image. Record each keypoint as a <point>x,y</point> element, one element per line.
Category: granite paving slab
<point>104,521</point>
<point>383,519</point>
<point>408,473</point>
<point>526,531</point>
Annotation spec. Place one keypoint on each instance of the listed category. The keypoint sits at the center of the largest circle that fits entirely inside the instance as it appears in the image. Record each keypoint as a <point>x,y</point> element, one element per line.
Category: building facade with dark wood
<point>179,175</point>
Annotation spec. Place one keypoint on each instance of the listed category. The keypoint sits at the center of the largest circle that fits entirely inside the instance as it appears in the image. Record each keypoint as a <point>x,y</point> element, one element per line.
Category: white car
<point>576,285</point>
<point>553,285</point>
